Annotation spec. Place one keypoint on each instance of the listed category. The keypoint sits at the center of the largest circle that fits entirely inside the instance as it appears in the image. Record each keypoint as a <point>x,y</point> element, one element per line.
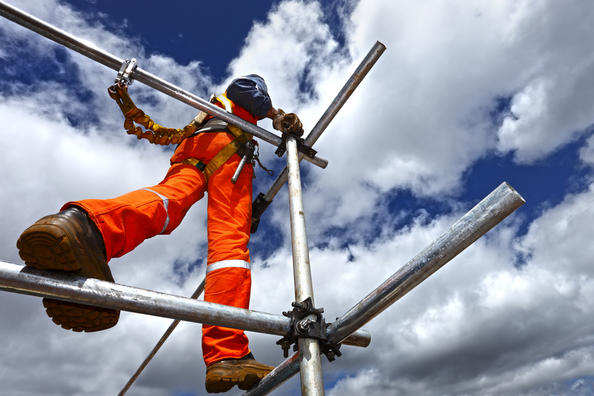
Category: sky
<point>467,95</point>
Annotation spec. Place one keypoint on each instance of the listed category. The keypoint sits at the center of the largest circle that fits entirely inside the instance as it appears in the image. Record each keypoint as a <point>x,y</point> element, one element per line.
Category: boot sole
<point>78,317</point>
<point>223,379</point>
<point>224,384</point>
<point>49,247</point>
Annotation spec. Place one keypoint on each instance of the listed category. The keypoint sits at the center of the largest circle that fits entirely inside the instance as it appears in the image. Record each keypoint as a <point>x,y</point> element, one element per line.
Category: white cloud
<point>423,115</point>
<point>305,44</point>
<point>367,381</point>
<point>552,108</point>
<point>587,151</point>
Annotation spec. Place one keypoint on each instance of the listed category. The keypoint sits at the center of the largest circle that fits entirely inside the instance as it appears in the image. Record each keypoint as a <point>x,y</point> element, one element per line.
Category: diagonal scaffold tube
<point>113,62</point>
<point>489,212</point>
<point>263,200</point>
<point>159,344</point>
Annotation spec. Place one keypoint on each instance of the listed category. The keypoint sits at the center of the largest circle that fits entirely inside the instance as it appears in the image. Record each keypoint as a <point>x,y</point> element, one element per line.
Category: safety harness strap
<point>215,125</point>
<point>222,156</point>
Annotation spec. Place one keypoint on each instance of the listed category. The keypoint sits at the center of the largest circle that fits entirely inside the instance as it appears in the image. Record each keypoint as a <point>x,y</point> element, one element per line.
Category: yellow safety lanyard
<point>158,134</point>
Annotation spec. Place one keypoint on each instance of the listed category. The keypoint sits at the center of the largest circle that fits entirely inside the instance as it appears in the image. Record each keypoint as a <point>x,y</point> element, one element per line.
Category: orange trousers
<point>126,221</point>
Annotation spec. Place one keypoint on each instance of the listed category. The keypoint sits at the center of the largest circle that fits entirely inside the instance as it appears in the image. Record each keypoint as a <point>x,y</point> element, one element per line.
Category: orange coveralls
<point>126,221</point>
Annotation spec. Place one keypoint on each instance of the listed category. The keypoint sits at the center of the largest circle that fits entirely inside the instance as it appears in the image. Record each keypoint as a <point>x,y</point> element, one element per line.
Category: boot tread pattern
<point>52,244</point>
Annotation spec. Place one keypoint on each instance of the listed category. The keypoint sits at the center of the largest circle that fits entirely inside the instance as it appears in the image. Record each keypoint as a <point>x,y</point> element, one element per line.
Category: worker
<point>84,236</point>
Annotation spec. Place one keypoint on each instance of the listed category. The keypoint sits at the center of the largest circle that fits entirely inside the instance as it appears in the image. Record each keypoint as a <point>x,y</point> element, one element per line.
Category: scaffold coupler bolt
<point>303,325</point>
<point>128,66</point>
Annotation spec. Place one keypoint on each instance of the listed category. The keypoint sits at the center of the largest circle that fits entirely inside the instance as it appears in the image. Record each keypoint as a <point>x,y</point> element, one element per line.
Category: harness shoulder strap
<point>216,125</point>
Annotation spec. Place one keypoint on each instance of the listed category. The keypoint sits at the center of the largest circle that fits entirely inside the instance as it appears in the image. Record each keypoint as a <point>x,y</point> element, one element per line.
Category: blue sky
<point>466,96</point>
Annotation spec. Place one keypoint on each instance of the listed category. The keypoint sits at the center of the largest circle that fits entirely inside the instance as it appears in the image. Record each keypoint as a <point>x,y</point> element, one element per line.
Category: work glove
<point>287,123</point>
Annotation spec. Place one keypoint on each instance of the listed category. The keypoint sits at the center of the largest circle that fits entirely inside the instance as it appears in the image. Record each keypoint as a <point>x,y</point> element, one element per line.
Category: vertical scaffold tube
<point>310,361</point>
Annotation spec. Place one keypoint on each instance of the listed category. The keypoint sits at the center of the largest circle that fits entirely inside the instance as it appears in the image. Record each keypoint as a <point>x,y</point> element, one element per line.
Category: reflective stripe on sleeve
<point>227,264</point>
<point>165,205</point>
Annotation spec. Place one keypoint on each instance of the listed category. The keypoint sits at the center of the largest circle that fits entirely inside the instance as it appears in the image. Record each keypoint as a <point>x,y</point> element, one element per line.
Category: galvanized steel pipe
<point>98,55</point>
<point>63,286</point>
<point>67,287</point>
<point>280,374</point>
<point>301,266</point>
<point>485,215</point>
<point>345,93</point>
<point>310,360</point>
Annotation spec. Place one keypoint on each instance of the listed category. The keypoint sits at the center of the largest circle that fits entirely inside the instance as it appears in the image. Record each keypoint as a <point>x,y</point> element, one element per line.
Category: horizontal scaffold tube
<point>67,287</point>
<point>98,55</point>
<point>499,204</point>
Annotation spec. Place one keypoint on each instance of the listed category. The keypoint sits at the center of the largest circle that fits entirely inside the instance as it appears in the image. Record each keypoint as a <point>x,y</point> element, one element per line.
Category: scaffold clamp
<point>302,147</point>
<point>303,325</point>
<point>123,77</point>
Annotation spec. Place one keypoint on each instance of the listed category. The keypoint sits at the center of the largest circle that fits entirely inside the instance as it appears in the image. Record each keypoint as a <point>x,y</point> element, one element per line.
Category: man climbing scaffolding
<point>85,235</point>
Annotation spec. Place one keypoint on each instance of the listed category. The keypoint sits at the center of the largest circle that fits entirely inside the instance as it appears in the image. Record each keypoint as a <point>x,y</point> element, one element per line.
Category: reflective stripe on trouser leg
<point>126,221</point>
<point>229,281</point>
<point>165,201</point>
<point>227,264</point>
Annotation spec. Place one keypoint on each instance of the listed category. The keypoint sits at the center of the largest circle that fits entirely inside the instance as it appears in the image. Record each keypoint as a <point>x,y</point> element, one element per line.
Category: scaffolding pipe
<point>68,287</point>
<point>285,370</point>
<point>160,343</point>
<point>345,93</point>
<point>499,204</point>
<point>98,55</point>
<point>310,361</point>
<point>485,215</point>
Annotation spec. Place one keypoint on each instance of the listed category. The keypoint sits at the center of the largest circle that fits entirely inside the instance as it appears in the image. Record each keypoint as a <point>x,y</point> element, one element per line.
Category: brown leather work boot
<point>246,372</point>
<point>69,241</point>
